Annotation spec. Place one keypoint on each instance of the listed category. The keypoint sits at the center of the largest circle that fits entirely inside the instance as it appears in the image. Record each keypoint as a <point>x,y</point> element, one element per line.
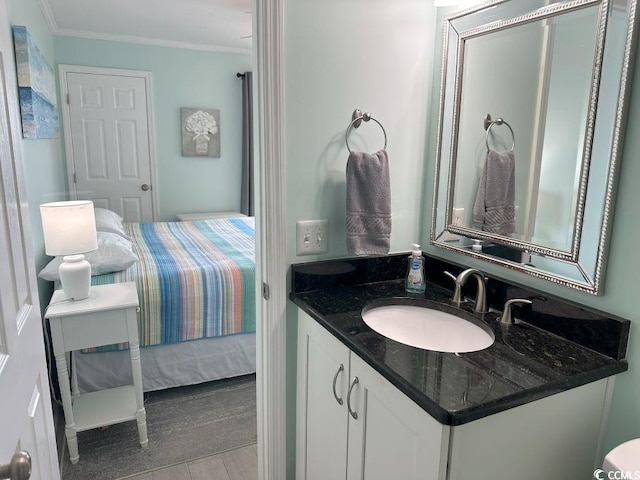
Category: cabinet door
<point>555,437</point>
<point>321,443</point>
<point>391,437</point>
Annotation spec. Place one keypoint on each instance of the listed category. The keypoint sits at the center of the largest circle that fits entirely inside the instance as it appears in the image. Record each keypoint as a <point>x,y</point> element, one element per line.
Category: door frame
<point>29,316</point>
<point>271,251</point>
<point>66,122</point>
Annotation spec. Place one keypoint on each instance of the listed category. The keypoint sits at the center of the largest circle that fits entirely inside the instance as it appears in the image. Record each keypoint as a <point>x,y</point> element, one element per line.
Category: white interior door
<point>108,140</point>
<point>26,419</point>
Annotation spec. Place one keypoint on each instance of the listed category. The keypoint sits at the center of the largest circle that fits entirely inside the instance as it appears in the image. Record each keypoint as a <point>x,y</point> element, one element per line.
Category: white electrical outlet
<point>457,219</point>
<point>312,236</point>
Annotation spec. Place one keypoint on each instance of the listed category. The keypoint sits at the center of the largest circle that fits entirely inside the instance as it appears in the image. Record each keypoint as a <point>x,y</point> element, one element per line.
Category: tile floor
<point>238,464</point>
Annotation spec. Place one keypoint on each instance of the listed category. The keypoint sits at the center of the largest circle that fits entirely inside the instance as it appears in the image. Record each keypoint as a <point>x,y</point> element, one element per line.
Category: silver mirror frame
<point>588,274</point>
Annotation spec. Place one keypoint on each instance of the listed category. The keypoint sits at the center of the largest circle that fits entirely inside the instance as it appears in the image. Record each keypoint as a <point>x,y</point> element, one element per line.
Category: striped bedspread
<point>194,279</point>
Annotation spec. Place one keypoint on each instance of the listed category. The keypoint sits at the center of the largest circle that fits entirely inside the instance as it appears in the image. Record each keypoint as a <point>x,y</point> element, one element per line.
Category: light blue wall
<point>339,56</point>
<point>620,295</point>
<point>181,78</point>
<point>377,56</point>
<point>44,169</point>
<point>622,277</point>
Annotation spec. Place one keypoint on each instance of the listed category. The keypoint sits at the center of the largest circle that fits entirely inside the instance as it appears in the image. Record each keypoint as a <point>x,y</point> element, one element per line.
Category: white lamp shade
<point>69,228</point>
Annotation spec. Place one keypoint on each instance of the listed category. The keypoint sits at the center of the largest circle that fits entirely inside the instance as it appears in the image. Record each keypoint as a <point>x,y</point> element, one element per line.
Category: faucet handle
<point>457,292</point>
<point>506,318</point>
<point>451,276</point>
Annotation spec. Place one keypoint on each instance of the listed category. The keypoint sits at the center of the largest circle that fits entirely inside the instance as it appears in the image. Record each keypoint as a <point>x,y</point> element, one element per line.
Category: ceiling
<point>217,25</point>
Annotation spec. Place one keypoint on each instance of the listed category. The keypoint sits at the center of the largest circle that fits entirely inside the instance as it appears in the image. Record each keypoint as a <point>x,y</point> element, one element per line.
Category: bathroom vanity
<point>534,80</point>
<point>532,405</point>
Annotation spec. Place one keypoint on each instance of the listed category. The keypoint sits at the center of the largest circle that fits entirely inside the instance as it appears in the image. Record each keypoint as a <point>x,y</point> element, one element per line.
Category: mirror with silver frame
<point>533,99</point>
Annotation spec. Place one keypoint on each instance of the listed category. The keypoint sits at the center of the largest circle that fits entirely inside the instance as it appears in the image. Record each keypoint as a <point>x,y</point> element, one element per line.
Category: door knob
<point>19,468</point>
<point>145,187</point>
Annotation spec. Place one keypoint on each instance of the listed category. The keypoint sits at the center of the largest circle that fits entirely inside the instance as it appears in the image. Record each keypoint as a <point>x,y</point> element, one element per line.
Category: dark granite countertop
<point>524,364</point>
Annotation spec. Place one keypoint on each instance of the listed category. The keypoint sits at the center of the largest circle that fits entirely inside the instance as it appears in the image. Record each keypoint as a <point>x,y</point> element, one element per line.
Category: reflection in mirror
<point>522,74</point>
<point>532,106</point>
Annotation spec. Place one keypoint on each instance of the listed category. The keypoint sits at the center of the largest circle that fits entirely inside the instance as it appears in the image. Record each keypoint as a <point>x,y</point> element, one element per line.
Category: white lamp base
<point>75,276</point>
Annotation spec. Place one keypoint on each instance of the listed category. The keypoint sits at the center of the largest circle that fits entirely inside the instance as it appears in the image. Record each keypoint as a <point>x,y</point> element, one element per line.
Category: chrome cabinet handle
<point>335,379</point>
<point>19,468</point>
<point>145,187</point>
<point>351,411</point>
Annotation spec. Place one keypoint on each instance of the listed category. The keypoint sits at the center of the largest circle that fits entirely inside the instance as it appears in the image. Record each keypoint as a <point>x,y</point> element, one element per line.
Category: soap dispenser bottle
<point>415,282</point>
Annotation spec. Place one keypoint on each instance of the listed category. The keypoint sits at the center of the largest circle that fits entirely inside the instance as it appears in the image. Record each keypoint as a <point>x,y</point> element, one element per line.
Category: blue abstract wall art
<point>37,88</point>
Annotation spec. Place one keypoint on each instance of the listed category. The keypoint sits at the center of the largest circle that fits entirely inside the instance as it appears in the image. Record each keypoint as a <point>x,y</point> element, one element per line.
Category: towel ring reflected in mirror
<point>356,119</point>
<point>488,123</point>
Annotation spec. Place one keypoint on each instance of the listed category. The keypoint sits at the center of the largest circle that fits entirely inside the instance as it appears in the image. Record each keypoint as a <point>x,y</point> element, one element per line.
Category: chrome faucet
<point>481,296</point>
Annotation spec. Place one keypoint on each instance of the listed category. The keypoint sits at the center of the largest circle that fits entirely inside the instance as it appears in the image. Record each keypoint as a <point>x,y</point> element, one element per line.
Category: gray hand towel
<point>368,222</point>
<point>494,209</point>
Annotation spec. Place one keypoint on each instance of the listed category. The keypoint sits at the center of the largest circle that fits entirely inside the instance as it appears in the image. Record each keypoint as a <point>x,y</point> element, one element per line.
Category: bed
<point>196,287</point>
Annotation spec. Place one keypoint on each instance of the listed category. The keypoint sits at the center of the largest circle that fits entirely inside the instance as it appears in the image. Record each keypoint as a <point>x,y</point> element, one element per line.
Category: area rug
<point>183,424</point>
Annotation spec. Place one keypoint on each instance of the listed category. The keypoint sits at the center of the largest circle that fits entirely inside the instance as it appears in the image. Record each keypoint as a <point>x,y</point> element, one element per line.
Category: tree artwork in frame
<point>200,132</point>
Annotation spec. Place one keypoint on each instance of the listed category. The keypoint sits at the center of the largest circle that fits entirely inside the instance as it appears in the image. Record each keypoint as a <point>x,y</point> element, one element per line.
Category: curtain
<point>246,191</point>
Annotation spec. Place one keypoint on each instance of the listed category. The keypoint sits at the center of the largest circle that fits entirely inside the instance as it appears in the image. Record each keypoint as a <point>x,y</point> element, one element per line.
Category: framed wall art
<point>36,88</point>
<point>200,132</point>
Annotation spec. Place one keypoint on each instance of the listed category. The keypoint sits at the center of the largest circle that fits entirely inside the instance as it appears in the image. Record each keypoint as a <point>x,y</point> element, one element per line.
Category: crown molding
<point>47,13</point>
<point>149,41</point>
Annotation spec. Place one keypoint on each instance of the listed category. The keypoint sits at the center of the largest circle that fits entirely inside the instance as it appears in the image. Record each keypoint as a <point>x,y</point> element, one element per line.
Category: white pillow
<point>108,221</point>
<point>114,254</point>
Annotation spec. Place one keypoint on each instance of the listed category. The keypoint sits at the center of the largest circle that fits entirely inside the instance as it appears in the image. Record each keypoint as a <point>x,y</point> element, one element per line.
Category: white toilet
<point>624,458</point>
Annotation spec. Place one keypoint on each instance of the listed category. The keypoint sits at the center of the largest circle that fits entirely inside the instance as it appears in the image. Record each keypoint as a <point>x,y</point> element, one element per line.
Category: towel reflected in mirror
<point>494,209</point>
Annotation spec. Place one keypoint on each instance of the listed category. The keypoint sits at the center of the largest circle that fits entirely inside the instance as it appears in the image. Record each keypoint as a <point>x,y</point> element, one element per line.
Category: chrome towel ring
<point>488,123</point>
<point>356,119</point>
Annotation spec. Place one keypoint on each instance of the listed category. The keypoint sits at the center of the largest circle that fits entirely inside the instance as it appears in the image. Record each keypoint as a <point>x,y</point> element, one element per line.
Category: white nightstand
<point>108,316</point>
<point>191,217</point>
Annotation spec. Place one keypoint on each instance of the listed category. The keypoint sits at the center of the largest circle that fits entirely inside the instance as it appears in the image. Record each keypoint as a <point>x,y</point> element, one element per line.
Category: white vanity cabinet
<point>555,437</point>
<point>393,438</point>
<point>321,439</point>
<point>375,432</point>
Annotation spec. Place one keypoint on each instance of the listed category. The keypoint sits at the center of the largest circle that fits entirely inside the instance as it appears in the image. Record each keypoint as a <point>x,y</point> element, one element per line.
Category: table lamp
<point>69,229</point>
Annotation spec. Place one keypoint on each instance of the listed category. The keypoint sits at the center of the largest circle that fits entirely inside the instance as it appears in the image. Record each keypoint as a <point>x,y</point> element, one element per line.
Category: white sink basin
<point>428,328</point>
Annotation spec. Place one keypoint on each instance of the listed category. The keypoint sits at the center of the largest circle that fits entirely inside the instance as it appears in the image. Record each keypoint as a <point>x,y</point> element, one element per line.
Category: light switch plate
<point>312,236</point>
<point>457,219</point>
